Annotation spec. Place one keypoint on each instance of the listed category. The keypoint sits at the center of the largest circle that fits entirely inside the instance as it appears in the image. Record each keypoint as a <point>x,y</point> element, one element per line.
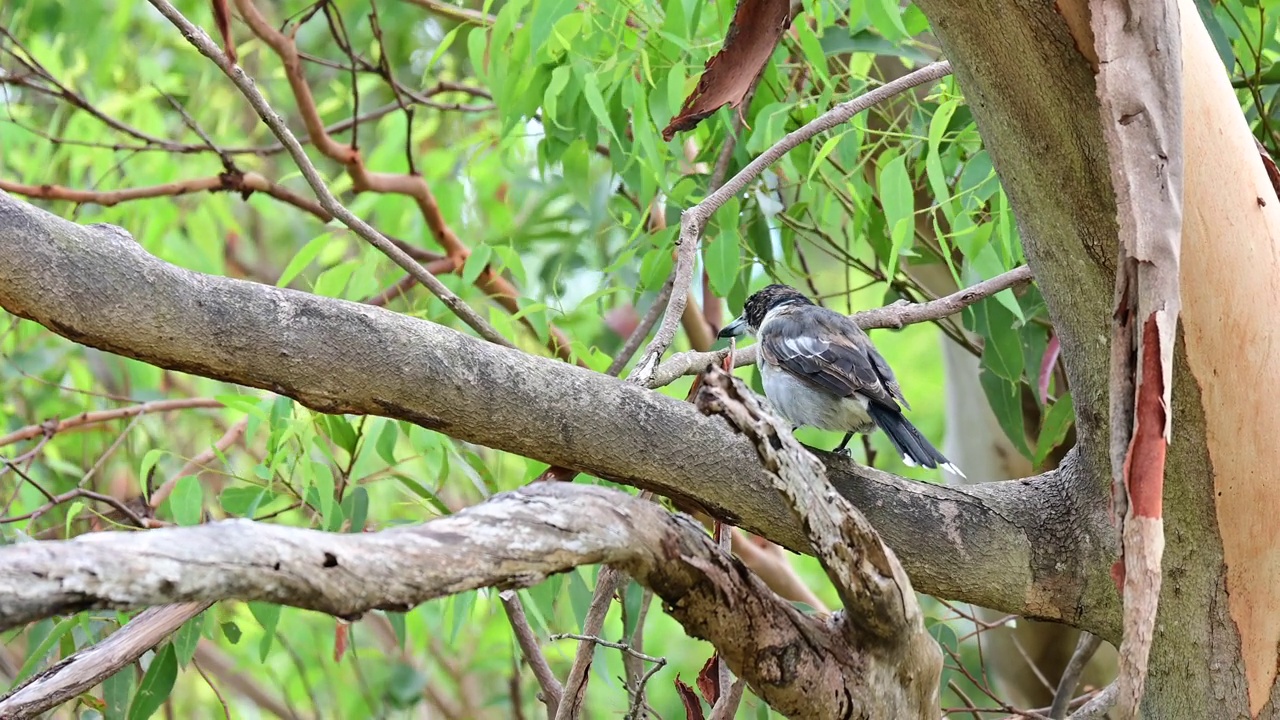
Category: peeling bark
<point>1139,50</point>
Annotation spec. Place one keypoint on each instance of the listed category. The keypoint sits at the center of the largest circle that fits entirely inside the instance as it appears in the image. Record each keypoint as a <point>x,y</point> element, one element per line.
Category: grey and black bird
<point>820,369</point>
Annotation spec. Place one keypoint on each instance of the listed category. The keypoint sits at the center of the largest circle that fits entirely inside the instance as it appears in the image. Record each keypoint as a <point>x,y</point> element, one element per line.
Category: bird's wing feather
<point>826,349</point>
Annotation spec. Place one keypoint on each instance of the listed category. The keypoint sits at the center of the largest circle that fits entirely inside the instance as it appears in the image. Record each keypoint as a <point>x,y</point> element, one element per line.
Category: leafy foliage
<point>537,126</point>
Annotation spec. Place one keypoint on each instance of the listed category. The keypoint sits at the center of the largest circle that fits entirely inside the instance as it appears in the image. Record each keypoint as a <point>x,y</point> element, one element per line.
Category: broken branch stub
<point>880,606</point>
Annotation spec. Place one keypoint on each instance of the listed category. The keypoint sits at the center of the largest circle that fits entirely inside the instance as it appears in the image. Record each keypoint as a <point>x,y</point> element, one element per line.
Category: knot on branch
<point>720,393</point>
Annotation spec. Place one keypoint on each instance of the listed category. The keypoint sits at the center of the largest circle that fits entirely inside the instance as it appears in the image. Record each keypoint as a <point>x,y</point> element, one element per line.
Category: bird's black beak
<point>737,328</point>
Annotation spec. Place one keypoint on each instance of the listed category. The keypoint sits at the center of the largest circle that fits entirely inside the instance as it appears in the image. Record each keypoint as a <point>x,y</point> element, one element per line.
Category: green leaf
<point>148,463</point>
<point>268,616</point>
<point>580,594</point>
<point>462,606</point>
<point>441,49</point>
<point>324,486</point>
<point>117,690</point>
<point>231,632</point>
<point>341,432</point>
<point>897,197</point>
<point>595,100</point>
<point>421,491</point>
<point>1221,42</point>
<point>476,263</point>
<point>187,501</point>
<point>933,159</point>
<point>632,598</point>
<point>886,15</point>
<point>73,512</point>
<point>405,685</point>
<point>185,640</point>
<point>1054,426</point>
<point>302,259</point>
<point>1006,402</point>
<point>358,512</point>
<point>513,263</point>
<point>397,620</point>
<point>156,684</point>
<point>37,655</point>
<point>386,444</point>
<point>721,255</point>
<point>823,152</point>
<point>244,500</point>
<point>1002,349</point>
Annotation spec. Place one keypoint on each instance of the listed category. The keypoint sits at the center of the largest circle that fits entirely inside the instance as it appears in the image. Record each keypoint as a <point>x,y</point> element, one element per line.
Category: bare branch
<point>895,316</point>
<point>552,690</point>
<point>875,590</point>
<point>1086,646</point>
<point>90,666</point>
<point>576,683</point>
<point>206,46</point>
<point>53,427</point>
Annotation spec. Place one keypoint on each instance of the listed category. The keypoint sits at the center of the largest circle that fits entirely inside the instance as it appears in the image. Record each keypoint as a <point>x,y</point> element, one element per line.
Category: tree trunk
<point>1026,71</point>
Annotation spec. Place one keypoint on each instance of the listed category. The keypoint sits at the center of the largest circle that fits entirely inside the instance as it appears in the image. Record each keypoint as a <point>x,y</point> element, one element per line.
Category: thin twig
<point>596,639</point>
<point>1086,646</point>
<point>897,315</point>
<point>244,83</point>
<point>50,428</point>
<point>607,584</point>
<point>197,463</point>
<point>552,690</point>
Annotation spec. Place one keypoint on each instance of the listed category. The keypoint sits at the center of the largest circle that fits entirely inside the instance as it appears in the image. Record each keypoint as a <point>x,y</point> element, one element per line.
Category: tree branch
<point>1000,545</point>
<point>898,315</point>
<point>800,665</point>
<point>90,666</point>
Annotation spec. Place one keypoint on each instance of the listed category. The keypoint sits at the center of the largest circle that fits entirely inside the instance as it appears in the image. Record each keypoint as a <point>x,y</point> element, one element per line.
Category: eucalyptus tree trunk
<point>1027,70</point>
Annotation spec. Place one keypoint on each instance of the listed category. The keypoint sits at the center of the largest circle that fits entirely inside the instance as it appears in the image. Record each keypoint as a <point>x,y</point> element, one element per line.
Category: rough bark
<point>1000,545</point>
<point>1027,71</point>
<point>803,666</point>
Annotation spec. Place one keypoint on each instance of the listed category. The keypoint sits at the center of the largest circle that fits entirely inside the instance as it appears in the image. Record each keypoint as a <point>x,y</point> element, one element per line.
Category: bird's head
<point>759,305</point>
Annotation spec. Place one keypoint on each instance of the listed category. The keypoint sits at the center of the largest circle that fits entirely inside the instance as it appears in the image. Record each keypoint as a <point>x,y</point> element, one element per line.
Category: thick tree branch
<point>1021,547</point>
<point>802,666</point>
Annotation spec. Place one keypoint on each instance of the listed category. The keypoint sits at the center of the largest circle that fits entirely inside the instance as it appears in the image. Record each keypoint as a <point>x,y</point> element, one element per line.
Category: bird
<point>819,369</point>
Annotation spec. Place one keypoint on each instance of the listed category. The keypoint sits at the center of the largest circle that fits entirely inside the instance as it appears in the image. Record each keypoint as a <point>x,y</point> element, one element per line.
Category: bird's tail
<point>909,441</point>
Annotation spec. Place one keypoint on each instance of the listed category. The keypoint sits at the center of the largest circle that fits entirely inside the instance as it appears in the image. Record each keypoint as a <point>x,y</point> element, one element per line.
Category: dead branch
<point>872,585</point>
<point>53,427</point>
<point>90,666</point>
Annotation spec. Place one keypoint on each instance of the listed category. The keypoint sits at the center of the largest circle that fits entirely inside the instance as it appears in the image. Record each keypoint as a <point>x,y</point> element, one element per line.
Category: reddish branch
<point>53,427</point>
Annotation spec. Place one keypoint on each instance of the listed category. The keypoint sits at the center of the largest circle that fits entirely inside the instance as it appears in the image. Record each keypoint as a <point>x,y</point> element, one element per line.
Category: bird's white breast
<point>802,404</point>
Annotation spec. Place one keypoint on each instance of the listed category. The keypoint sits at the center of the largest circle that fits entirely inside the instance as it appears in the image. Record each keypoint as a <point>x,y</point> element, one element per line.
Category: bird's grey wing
<point>820,350</point>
